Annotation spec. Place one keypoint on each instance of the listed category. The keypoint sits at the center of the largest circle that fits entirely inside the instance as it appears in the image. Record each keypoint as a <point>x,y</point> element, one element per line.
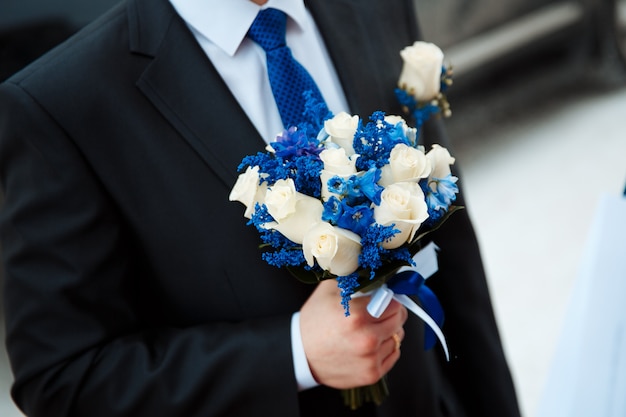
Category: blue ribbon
<point>412,283</point>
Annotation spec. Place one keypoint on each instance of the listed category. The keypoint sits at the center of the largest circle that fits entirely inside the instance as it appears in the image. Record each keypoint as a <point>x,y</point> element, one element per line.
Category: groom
<point>134,287</point>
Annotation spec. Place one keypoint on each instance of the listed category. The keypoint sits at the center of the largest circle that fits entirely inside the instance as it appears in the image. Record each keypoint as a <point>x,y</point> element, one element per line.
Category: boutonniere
<point>338,197</point>
<point>423,82</point>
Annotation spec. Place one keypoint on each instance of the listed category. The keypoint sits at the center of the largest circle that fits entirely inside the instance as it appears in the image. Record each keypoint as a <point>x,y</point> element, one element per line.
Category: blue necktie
<point>288,79</point>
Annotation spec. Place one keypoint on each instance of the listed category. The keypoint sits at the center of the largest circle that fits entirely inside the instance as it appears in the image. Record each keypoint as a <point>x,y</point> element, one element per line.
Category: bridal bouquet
<point>338,197</point>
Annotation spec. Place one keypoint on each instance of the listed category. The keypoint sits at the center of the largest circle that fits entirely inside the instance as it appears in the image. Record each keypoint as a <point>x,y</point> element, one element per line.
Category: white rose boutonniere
<point>423,82</point>
<point>421,73</point>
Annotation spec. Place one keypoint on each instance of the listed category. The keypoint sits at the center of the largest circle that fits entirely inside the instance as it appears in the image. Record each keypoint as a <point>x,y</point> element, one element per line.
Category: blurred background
<point>537,128</point>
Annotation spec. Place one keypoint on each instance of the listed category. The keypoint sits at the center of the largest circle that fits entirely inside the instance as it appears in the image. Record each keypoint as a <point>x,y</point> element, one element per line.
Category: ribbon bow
<point>411,281</point>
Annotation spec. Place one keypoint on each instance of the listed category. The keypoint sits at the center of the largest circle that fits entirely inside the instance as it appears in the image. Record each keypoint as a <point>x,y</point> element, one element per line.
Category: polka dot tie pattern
<point>288,79</point>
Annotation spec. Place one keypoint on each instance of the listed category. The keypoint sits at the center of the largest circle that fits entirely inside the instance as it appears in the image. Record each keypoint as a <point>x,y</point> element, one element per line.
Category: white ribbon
<point>426,265</point>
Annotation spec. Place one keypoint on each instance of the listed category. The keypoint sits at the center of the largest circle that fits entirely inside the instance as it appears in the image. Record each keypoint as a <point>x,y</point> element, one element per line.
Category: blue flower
<point>356,219</point>
<point>314,115</point>
<point>446,188</point>
<point>434,203</point>
<point>374,141</point>
<point>333,208</point>
<point>337,185</point>
<point>306,175</point>
<point>368,184</point>
<point>347,284</point>
<point>423,113</point>
<point>284,257</point>
<point>372,252</point>
<point>295,142</point>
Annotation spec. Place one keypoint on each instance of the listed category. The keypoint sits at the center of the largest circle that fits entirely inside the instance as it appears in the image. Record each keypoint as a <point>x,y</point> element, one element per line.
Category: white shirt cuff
<point>304,377</point>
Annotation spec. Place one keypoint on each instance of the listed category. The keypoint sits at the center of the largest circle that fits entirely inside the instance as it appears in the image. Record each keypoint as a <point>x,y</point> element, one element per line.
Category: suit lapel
<point>365,56</point>
<point>184,86</point>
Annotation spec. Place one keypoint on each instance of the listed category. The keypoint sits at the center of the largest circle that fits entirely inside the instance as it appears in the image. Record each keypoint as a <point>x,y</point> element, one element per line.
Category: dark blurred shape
<point>22,45</point>
<point>485,39</point>
<point>488,41</point>
<point>29,28</point>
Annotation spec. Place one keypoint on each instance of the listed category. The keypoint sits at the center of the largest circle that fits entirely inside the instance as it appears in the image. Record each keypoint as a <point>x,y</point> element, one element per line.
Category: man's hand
<point>348,352</point>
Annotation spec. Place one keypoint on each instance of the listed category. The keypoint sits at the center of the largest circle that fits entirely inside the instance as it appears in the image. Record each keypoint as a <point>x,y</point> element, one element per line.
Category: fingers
<point>344,352</point>
<point>392,346</point>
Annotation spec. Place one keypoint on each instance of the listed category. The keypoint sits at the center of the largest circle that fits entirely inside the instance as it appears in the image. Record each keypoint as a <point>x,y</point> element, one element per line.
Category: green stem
<point>375,393</point>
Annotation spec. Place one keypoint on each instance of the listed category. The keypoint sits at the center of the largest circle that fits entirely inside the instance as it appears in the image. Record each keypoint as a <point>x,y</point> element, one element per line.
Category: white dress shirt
<point>220,27</point>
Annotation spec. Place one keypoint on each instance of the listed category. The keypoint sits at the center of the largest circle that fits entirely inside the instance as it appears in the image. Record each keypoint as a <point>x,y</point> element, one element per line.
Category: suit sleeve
<point>78,345</point>
<point>477,369</point>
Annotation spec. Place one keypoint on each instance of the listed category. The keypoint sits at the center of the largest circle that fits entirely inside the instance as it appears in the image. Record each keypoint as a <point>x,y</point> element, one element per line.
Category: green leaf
<point>308,276</point>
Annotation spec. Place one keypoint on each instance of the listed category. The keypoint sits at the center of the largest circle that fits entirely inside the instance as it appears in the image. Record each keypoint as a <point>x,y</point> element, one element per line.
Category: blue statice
<point>421,112</point>
<point>287,253</point>
<point>374,142</point>
<point>306,175</point>
<point>284,257</point>
<point>347,284</point>
<point>372,253</point>
<point>273,168</point>
<point>270,237</point>
<point>314,115</point>
<point>259,218</point>
<point>402,254</point>
<point>406,100</point>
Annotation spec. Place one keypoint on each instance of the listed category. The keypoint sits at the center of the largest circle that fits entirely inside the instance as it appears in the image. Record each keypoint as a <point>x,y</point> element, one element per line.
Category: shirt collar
<point>226,22</point>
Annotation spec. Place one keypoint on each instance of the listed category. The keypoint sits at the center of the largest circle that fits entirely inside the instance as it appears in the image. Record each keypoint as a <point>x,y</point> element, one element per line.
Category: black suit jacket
<point>134,287</point>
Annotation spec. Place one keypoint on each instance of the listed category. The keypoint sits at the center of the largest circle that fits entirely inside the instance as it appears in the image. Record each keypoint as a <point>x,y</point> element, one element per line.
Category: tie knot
<point>268,29</point>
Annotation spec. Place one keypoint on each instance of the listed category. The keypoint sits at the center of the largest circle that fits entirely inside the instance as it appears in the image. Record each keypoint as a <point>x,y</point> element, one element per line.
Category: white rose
<point>421,73</point>
<point>341,130</point>
<point>336,163</point>
<point>335,249</point>
<point>440,160</point>
<point>295,213</point>
<point>280,199</point>
<point>406,163</point>
<point>248,191</point>
<point>402,204</point>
